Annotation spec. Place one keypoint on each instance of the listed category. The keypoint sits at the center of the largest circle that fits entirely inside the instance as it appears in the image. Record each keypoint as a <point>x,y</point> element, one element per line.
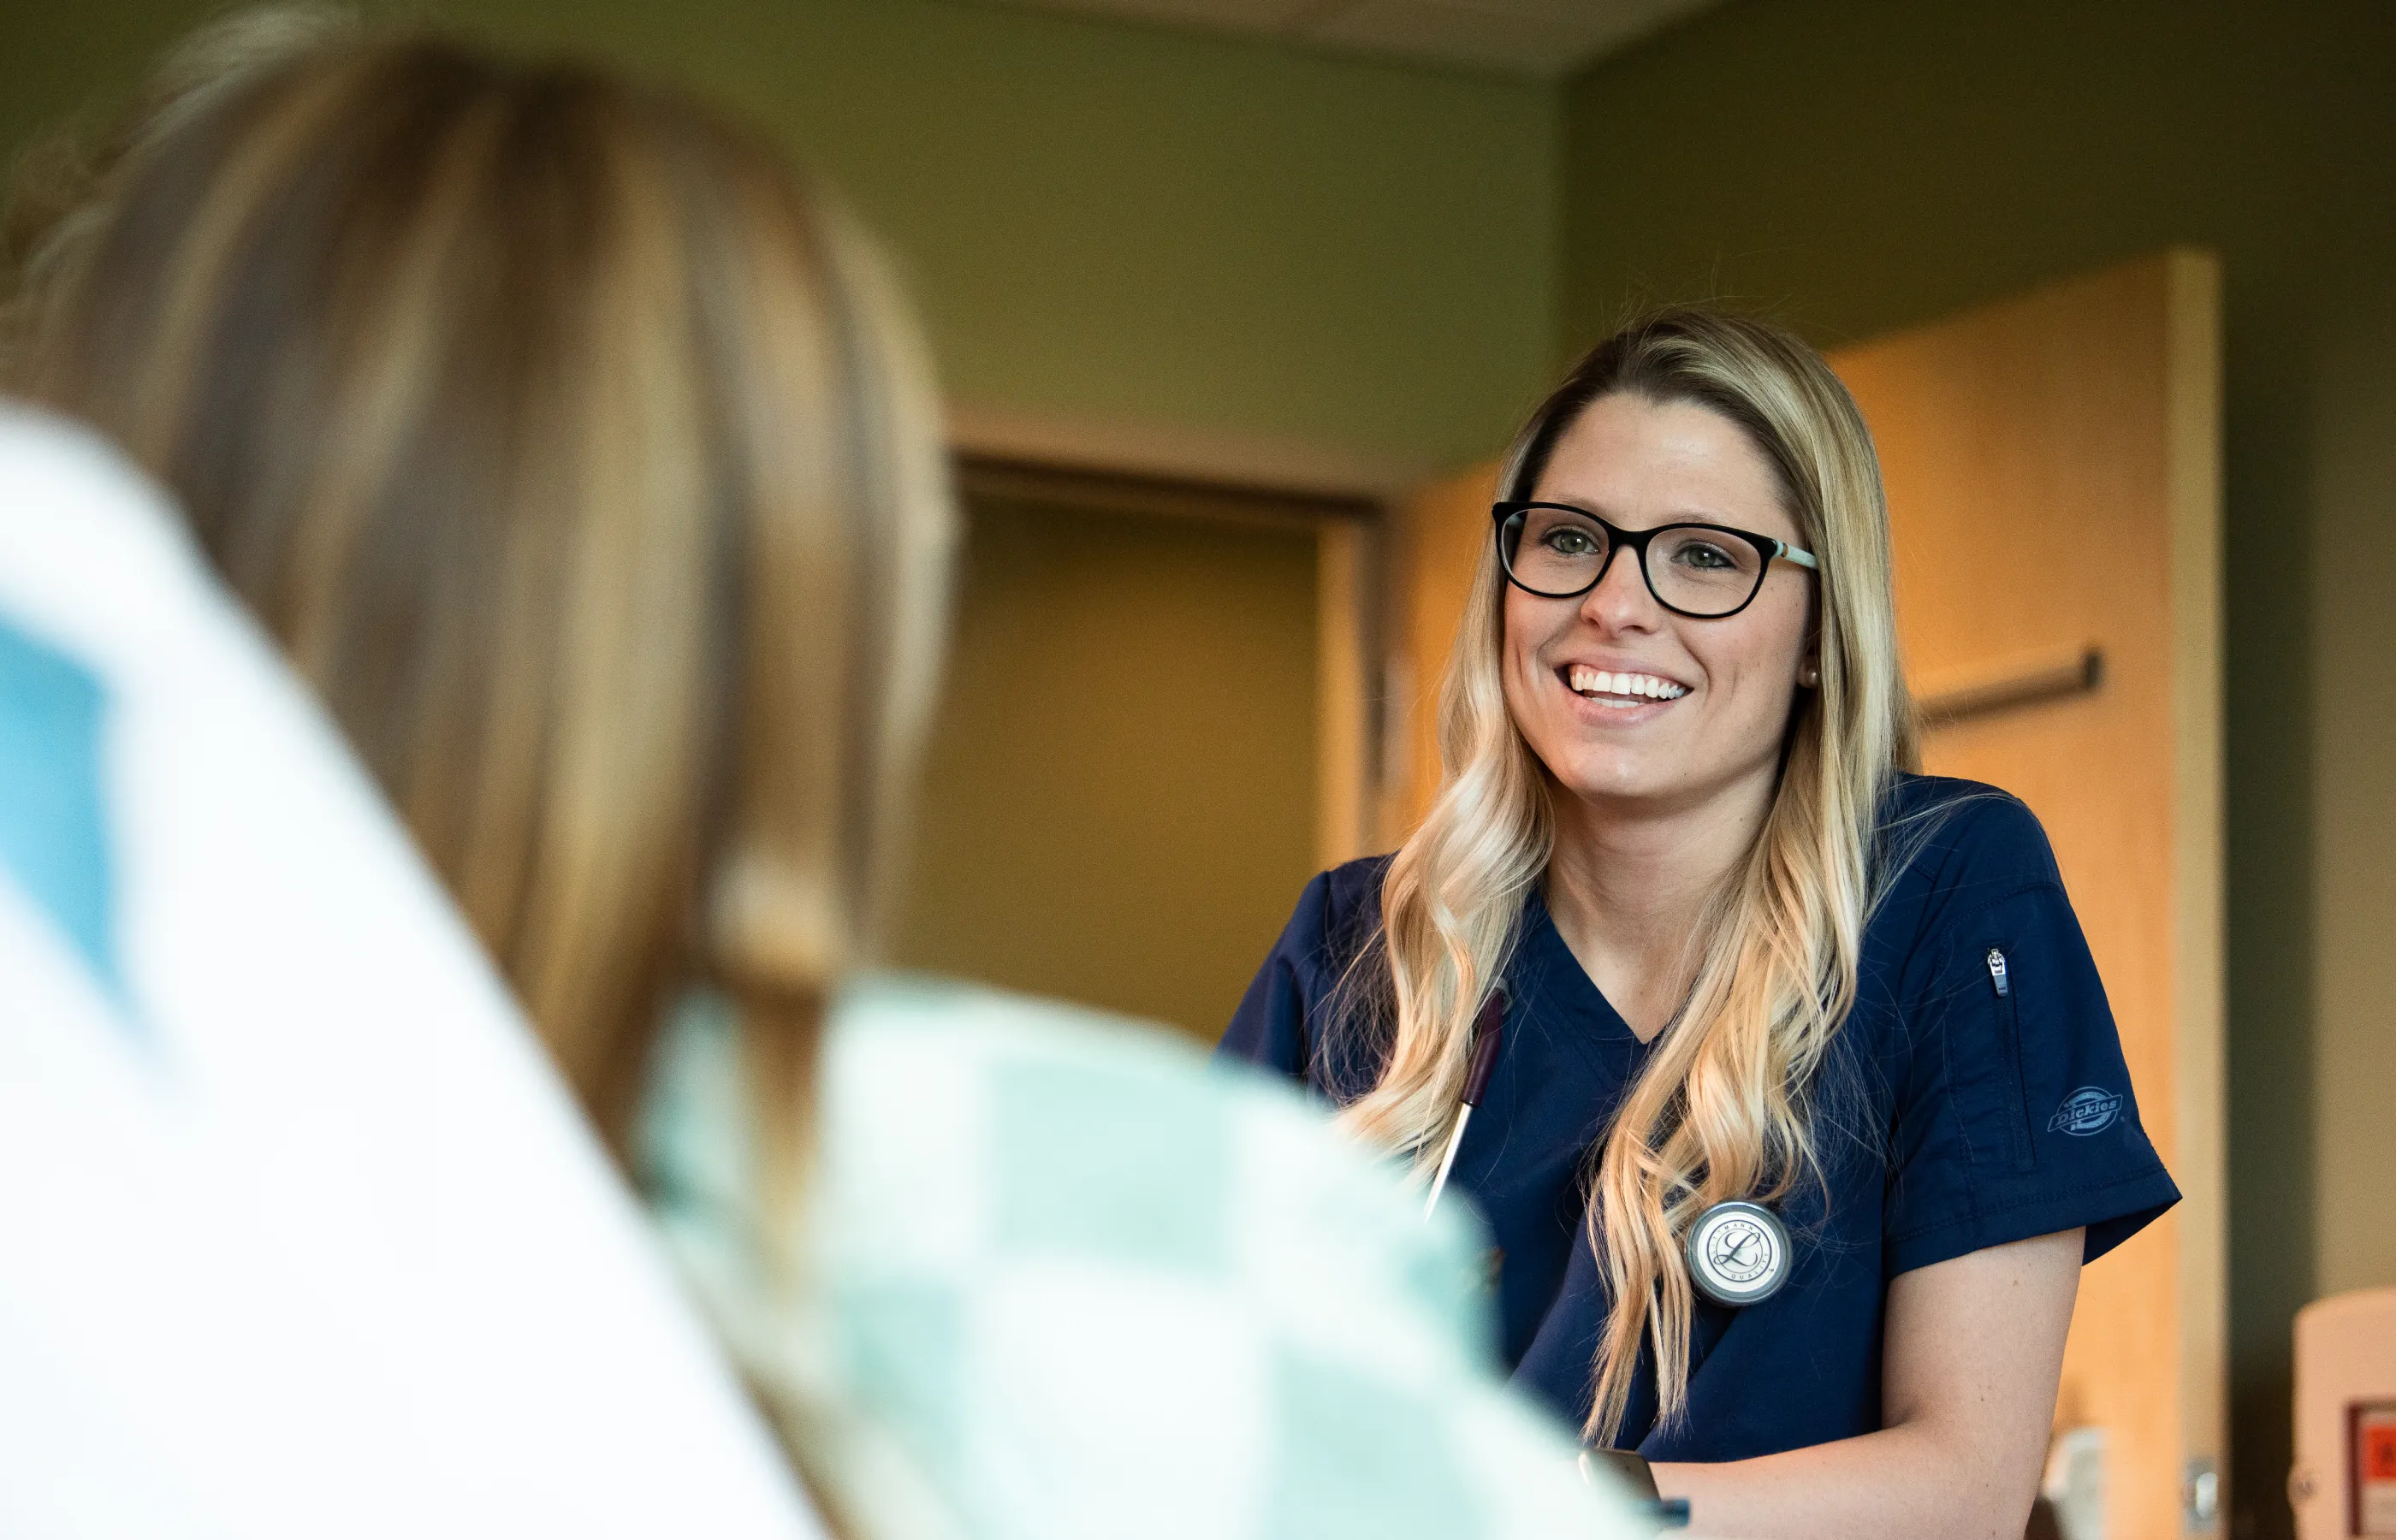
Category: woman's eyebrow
<point>1686,515</point>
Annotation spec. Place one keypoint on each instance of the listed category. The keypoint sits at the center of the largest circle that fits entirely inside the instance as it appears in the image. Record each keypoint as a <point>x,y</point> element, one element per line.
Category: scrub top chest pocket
<point>2006,1037</point>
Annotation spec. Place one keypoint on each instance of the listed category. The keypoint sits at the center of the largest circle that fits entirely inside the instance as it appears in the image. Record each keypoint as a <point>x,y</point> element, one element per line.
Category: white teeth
<point>1600,682</point>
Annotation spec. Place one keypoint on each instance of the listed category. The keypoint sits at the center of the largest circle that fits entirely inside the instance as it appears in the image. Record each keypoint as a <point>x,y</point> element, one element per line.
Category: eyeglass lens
<point>1699,571</point>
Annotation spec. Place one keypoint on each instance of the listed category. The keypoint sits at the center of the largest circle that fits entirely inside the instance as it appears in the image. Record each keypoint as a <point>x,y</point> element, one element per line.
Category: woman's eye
<point>1571,542</point>
<point>1706,558</point>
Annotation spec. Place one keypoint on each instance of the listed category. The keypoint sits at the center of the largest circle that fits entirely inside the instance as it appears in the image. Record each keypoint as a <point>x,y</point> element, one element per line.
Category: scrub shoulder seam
<point>1957,925</point>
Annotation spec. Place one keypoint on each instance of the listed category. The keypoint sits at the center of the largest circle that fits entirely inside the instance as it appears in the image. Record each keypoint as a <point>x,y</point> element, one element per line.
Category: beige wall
<point>1858,164</point>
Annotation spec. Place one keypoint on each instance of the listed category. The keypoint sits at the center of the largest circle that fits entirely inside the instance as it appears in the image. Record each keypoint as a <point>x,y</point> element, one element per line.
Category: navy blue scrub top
<point>1952,1115</point>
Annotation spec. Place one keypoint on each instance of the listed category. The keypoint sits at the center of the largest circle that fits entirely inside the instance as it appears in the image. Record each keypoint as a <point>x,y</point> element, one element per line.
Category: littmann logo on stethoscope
<point>1738,1253</point>
<point>2090,1110</point>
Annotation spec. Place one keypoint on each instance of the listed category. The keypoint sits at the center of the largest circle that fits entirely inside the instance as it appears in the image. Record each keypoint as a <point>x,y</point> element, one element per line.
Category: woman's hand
<point>1973,1350</point>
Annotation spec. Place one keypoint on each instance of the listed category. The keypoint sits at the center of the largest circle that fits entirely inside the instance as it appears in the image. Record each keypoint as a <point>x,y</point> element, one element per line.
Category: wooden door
<point>1439,533</point>
<point>2053,473</point>
<point>2052,476</point>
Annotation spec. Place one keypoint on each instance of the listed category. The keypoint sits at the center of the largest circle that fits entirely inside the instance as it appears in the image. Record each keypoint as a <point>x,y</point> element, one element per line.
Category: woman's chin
<point>1612,781</point>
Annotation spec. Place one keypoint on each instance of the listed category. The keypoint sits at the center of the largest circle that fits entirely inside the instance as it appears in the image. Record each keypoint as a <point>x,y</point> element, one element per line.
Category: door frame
<point>1347,499</point>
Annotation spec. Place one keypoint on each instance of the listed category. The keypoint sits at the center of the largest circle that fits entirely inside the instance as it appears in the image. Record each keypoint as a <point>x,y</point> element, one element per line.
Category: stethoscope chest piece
<point>1738,1253</point>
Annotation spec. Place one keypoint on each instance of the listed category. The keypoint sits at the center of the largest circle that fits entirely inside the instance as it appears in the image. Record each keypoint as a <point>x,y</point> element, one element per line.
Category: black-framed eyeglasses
<point>1704,571</point>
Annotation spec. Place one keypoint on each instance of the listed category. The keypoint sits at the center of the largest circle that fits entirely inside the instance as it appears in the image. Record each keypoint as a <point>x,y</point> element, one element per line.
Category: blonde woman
<point>1798,1105</point>
<point>578,455</point>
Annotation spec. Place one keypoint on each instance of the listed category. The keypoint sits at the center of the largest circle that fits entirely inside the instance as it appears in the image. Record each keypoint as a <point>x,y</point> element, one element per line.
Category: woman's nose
<point>1620,601</point>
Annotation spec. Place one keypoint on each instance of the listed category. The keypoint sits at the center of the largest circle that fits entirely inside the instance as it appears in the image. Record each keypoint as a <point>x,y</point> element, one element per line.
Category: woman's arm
<point>1973,1348</point>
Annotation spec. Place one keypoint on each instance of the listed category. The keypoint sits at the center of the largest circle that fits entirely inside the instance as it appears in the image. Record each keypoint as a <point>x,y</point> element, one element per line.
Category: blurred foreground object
<point>1091,1289</point>
<point>2344,1483</point>
<point>300,1235</point>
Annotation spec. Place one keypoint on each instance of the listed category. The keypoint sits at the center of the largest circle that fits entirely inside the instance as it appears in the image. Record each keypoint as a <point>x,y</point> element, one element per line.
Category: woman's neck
<point>1627,886</point>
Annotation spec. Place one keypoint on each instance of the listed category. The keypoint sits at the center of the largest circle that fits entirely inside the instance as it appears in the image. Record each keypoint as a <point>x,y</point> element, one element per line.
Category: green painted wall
<point>1099,221</point>
<point>1858,164</point>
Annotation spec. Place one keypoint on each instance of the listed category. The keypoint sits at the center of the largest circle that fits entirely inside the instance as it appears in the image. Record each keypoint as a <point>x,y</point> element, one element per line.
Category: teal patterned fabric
<point>1072,1281</point>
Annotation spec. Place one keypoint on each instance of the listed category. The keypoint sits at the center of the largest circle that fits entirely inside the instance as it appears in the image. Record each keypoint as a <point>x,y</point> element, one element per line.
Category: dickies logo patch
<point>2090,1110</point>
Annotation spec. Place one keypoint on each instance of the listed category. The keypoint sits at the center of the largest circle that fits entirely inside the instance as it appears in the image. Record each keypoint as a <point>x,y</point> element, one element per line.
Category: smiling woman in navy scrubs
<point>1726,948</point>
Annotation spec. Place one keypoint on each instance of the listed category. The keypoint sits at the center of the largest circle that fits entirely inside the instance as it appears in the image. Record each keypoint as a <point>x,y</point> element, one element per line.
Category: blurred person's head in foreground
<point>578,451</point>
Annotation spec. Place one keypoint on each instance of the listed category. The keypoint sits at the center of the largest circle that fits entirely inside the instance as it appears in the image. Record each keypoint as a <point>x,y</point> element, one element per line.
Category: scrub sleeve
<point>2016,1117</point>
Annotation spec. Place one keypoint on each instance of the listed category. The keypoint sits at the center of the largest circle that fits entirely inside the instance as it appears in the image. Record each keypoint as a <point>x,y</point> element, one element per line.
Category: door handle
<point>1958,694</point>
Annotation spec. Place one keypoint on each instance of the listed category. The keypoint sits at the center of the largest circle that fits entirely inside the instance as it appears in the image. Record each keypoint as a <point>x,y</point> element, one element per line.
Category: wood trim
<point>1344,780</point>
<point>1153,496</point>
<point>1281,466</point>
<point>2194,381</point>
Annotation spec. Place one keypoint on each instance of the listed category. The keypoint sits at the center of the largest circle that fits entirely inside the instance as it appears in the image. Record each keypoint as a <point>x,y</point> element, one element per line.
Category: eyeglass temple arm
<point>1802,558</point>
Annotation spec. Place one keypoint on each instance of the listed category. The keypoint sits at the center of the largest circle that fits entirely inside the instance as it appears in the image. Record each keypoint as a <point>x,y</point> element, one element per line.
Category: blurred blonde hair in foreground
<point>581,457</point>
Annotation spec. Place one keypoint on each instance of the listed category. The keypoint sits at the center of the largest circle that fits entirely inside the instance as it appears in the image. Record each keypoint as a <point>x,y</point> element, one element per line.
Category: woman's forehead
<point>1641,463</point>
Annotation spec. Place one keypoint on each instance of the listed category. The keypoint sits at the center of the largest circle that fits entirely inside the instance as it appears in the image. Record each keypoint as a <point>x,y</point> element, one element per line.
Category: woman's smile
<point>1616,696</point>
<point>1627,686</point>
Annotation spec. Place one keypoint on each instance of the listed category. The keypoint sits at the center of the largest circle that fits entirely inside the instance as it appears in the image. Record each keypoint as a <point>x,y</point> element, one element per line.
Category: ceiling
<point>1537,39</point>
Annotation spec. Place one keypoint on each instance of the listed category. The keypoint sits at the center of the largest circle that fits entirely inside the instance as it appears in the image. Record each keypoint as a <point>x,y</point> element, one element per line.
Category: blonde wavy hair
<point>581,455</point>
<point>1724,1107</point>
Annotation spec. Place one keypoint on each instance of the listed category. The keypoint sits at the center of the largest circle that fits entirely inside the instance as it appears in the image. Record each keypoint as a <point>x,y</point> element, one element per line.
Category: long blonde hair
<point>579,454</point>
<point>1721,1109</point>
